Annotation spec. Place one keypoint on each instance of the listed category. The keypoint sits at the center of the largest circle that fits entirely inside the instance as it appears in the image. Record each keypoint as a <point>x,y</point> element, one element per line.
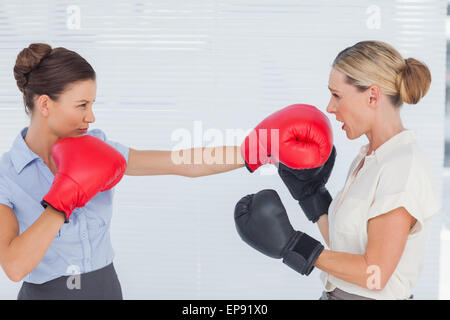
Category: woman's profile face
<point>349,105</point>
<point>72,111</point>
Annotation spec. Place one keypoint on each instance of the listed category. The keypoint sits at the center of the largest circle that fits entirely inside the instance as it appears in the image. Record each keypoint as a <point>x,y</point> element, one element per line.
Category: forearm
<point>26,251</point>
<point>352,268</point>
<point>323,226</point>
<point>212,160</point>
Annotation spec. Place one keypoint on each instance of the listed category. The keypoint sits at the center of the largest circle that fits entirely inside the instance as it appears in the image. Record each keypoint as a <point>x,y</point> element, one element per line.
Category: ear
<point>42,103</point>
<point>374,96</point>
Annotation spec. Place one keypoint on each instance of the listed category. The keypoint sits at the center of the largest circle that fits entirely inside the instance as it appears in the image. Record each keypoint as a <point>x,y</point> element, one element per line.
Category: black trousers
<point>102,284</point>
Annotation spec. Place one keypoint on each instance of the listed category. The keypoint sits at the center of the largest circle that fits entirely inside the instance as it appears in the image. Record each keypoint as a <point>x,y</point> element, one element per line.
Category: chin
<point>349,136</point>
<point>353,137</point>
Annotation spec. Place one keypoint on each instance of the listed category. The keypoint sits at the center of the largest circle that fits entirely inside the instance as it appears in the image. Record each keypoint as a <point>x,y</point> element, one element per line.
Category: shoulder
<point>403,154</point>
<point>405,165</point>
<point>406,177</point>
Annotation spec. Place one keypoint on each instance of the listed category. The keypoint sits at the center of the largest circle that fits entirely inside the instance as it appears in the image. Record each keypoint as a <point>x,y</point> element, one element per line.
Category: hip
<point>102,284</point>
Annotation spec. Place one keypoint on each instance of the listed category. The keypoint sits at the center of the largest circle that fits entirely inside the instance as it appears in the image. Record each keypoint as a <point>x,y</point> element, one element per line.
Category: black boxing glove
<point>262,222</point>
<point>307,186</point>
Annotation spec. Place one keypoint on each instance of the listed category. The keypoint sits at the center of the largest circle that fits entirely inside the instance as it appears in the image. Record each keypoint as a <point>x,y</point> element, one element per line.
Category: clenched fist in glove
<point>262,222</point>
<point>299,136</point>
<point>307,186</point>
<point>85,166</point>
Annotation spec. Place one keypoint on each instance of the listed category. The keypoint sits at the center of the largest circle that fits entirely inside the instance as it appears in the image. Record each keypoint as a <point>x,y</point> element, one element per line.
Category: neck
<point>383,130</point>
<point>40,140</point>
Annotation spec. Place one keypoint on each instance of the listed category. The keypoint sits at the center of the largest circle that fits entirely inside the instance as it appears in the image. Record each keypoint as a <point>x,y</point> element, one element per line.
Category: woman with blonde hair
<point>375,227</point>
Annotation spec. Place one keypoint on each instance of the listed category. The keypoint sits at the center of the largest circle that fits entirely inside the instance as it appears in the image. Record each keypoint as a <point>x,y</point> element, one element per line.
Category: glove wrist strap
<point>45,204</point>
<point>302,252</point>
<point>316,205</point>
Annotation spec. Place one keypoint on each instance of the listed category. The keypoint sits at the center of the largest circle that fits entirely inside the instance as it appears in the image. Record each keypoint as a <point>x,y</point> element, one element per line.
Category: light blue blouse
<point>83,244</point>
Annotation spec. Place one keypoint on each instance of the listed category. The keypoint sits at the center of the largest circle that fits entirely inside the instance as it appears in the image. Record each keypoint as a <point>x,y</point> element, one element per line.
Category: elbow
<point>188,175</point>
<point>191,173</point>
<point>384,281</point>
<point>13,273</point>
<point>376,279</point>
<point>378,287</point>
<point>15,277</point>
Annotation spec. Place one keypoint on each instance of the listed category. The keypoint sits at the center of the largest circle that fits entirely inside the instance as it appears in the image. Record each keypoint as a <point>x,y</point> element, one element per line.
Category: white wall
<point>162,65</point>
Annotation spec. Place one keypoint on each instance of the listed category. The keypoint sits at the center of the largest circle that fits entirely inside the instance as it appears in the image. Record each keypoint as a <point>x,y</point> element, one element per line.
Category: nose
<point>331,108</point>
<point>90,117</point>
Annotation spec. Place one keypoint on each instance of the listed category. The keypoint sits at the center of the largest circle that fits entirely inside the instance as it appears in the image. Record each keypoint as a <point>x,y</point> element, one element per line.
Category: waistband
<point>338,294</point>
<point>99,284</point>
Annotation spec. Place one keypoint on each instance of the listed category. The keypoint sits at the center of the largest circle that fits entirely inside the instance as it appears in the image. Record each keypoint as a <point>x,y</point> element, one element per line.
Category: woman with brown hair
<point>36,245</point>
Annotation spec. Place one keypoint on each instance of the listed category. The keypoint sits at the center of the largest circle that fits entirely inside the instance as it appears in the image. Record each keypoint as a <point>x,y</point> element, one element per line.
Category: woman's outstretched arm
<point>195,162</point>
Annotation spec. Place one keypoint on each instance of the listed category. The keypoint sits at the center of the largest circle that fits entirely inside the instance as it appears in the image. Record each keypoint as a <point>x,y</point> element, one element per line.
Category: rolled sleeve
<point>411,189</point>
<point>406,199</point>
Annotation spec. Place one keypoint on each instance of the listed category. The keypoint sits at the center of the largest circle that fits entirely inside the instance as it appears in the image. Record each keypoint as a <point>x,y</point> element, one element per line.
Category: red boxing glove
<point>86,165</point>
<point>303,139</point>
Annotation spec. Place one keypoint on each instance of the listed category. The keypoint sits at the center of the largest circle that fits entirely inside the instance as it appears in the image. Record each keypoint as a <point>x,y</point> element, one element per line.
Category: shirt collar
<point>401,138</point>
<point>21,154</point>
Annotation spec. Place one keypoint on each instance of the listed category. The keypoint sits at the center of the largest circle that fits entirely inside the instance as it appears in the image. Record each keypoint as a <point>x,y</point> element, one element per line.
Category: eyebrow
<point>83,100</point>
<point>331,89</point>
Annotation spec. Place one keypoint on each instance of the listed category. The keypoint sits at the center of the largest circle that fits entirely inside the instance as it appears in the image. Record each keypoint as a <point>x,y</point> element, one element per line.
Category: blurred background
<point>199,66</point>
